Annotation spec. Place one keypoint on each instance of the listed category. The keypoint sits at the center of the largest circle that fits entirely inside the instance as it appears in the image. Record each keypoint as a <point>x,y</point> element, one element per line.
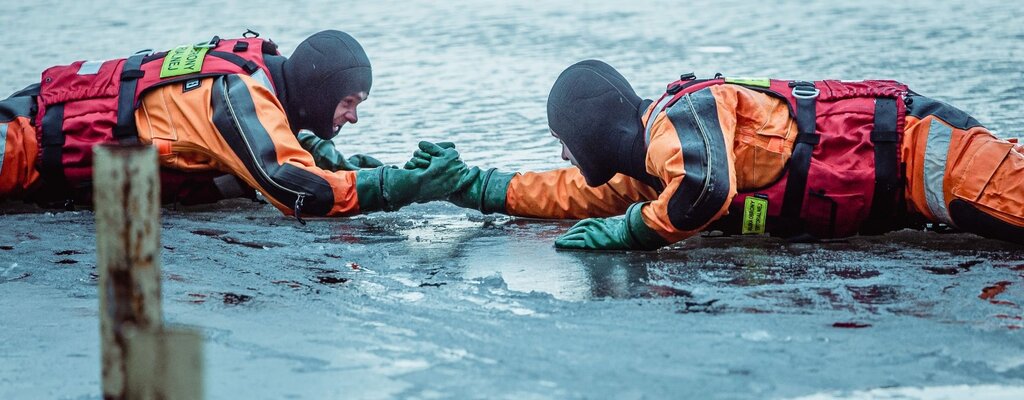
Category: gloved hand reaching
<point>479,189</point>
<point>361,161</point>
<point>390,188</point>
<point>326,155</point>
<point>597,234</point>
<point>628,232</point>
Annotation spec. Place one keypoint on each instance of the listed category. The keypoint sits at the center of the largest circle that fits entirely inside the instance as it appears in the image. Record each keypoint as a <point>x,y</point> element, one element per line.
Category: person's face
<point>566,154</point>
<point>346,110</point>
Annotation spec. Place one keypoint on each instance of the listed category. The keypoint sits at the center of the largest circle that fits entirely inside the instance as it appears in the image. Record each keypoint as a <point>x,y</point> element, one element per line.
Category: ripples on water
<point>478,72</point>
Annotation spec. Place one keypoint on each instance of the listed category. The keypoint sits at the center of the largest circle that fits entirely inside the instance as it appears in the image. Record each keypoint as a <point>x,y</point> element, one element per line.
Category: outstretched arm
<point>563,193</point>
<point>556,194</point>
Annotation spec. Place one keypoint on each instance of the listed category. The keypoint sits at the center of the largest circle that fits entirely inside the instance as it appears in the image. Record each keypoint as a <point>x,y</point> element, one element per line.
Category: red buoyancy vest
<point>844,175</point>
<point>84,104</point>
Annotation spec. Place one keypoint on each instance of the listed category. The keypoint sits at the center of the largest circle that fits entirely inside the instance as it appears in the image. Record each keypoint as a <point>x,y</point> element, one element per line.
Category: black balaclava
<point>596,113</point>
<point>321,71</point>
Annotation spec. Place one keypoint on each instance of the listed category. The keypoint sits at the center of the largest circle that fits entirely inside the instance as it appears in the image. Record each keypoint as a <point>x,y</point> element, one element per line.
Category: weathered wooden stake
<point>135,348</point>
<point>165,364</point>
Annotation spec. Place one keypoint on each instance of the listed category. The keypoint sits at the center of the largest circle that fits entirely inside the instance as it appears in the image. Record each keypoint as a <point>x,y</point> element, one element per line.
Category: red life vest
<point>844,175</point>
<point>84,104</point>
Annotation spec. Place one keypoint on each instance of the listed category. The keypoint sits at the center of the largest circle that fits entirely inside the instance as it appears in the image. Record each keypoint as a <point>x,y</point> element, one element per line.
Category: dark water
<point>434,302</point>
<point>477,73</point>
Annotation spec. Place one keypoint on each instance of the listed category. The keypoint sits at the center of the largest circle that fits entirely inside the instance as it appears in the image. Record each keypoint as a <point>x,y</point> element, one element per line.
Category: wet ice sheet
<point>431,302</point>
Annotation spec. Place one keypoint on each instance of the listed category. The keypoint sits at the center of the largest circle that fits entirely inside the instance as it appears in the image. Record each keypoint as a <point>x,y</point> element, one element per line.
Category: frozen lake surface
<point>438,302</point>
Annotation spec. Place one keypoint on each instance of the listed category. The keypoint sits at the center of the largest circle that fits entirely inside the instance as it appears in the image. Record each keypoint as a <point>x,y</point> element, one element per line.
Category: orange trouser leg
<point>18,150</point>
<point>966,177</point>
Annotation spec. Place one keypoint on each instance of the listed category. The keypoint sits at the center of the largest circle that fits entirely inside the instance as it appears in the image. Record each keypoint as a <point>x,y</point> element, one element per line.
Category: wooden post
<point>141,360</point>
<point>126,194</point>
<point>164,364</point>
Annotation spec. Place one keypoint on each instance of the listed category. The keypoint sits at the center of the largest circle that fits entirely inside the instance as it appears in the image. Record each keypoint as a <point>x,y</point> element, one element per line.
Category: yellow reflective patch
<point>757,82</point>
<point>183,60</point>
<point>755,212</point>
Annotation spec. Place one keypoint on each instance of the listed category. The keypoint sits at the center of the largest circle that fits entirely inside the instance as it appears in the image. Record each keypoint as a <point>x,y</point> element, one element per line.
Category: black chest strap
<point>125,131</point>
<point>806,140</point>
<point>51,168</point>
<point>885,203</point>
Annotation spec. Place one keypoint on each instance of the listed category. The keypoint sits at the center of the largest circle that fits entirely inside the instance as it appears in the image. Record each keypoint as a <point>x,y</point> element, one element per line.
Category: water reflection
<point>707,275</point>
<point>615,274</point>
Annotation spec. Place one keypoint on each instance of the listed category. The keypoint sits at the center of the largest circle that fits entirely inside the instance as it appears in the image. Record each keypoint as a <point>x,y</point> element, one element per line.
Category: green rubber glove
<point>391,188</point>
<point>363,161</point>
<point>481,190</point>
<point>326,155</point>
<point>628,232</point>
<point>421,159</point>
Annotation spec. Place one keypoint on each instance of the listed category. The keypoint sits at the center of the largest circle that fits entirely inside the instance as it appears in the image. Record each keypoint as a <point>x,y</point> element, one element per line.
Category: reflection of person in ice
<point>226,115</point>
<point>791,158</point>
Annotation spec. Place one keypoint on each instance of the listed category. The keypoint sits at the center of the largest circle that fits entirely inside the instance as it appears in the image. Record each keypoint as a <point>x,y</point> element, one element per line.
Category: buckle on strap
<point>677,86</point>
<point>297,210</point>
<point>133,64</point>
<point>213,42</point>
<point>805,92</point>
<point>810,138</point>
<point>250,67</point>
<point>132,74</point>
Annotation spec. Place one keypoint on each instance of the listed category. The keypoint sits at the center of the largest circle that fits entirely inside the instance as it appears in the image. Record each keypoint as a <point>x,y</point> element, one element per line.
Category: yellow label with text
<point>755,212</point>
<point>756,82</point>
<point>183,60</point>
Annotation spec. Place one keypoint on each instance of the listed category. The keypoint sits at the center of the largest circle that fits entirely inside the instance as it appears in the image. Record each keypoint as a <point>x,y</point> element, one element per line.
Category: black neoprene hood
<point>322,70</point>
<point>597,114</point>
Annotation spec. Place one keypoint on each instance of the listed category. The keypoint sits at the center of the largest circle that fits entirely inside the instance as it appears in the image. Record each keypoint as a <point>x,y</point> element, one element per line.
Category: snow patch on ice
<point>714,49</point>
<point>7,271</point>
<point>452,355</point>
<point>990,392</point>
<point>385,328</point>
<point>494,281</point>
<point>1007,364</point>
<point>407,366</point>
<point>405,281</point>
<point>372,288</point>
<point>511,307</point>
<point>410,297</point>
<point>756,336</point>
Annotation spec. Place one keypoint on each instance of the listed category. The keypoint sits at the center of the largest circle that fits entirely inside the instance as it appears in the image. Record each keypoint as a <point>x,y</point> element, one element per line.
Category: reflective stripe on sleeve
<point>936,152</point>
<point>3,144</point>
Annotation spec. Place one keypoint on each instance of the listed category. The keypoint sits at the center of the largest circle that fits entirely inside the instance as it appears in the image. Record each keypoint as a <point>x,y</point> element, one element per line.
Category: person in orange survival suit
<point>239,114</point>
<point>793,158</point>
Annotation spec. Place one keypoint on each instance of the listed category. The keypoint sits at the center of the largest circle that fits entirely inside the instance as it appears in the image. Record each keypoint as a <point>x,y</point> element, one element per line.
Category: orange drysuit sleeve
<point>236,125</point>
<point>563,193</point>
